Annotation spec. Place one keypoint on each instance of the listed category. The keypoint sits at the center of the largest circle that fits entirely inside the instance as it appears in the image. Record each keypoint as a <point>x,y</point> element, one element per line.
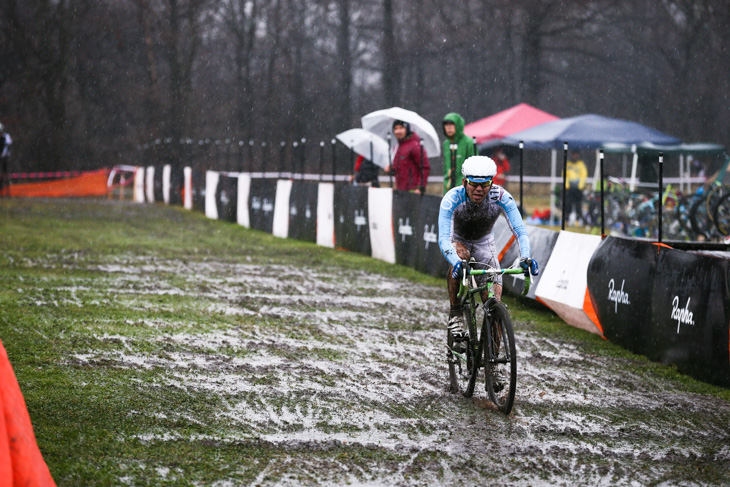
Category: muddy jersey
<point>461,219</point>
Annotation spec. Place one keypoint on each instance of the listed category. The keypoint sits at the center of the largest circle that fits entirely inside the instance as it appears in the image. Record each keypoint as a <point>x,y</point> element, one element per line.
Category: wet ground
<point>325,365</point>
<point>340,376</point>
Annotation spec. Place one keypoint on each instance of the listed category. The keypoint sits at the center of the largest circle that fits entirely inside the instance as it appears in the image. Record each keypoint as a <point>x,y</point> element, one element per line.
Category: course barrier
<point>563,285</point>
<point>351,219</point>
<point>91,183</point>
<point>303,211</point>
<point>326,215</point>
<point>21,462</point>
<point>670,305</point>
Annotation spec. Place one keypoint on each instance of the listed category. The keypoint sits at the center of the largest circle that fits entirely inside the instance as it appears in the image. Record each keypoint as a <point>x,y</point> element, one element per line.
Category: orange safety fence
<point>92,183</point>
<point>21,462</point>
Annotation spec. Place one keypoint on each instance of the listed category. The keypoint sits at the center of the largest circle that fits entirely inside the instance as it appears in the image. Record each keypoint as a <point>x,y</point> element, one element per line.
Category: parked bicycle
<point>490,343</point>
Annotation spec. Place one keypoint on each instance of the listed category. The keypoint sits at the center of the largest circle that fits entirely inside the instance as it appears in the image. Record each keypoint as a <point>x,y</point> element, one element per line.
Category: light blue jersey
<point>462,219</point>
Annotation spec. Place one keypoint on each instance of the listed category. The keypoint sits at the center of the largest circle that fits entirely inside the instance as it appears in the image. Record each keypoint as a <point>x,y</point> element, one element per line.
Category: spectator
<point>502,167</point>
<point>453,126</point>
<point>366,173</point>
<point>5,142</point>
<point>575,182</point>
<point>409,162</point>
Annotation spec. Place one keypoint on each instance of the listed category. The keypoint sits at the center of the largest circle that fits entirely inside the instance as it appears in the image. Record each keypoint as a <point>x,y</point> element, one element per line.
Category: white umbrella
<point>362,142</point>
<point>381,123</point>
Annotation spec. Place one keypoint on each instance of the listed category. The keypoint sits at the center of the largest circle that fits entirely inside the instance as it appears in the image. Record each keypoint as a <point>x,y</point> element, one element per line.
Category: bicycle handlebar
<point>468,271</point>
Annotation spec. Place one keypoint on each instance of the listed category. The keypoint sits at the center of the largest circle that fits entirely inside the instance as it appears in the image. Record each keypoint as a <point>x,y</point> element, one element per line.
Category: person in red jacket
<point>409,162</point>
<point>502,167</point>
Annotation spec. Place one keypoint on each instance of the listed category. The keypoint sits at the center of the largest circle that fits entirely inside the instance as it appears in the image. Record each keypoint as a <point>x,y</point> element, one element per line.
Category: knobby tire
<point>499,319</point>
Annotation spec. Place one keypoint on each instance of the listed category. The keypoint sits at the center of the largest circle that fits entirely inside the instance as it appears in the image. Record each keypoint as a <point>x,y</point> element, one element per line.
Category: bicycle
<point>721,213</point>
<point>494,348</point>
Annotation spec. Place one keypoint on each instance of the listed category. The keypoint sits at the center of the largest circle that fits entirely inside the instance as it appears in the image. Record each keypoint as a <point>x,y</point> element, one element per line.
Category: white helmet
<point>479,168</point>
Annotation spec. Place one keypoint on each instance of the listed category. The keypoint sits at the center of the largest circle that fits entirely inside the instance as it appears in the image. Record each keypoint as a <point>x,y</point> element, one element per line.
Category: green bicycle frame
<point>464,287</point>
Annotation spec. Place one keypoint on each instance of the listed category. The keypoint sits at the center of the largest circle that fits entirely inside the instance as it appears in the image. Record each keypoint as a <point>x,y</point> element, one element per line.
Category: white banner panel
<point>149,183</point>
<point>211,185</point>
<point>188,188</point>
<point>380,217</point>
<point>166,171</point>
<point>244,186</point>
<point>139,185</point>
<point>281,208</point>
<point>326,215</point>
<point>563,282</point>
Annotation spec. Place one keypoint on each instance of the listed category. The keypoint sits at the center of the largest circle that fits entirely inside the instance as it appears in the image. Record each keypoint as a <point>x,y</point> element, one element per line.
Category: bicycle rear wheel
<point>473,349</point>
<point>500,358</point>
<point>700,220</point>
<point>722,215</point>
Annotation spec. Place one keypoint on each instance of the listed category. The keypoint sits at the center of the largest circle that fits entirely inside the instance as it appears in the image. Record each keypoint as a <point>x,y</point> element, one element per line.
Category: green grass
<point>91,418</point>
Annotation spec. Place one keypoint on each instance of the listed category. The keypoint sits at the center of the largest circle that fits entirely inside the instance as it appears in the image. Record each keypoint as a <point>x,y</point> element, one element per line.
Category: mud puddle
<point>318,369</point>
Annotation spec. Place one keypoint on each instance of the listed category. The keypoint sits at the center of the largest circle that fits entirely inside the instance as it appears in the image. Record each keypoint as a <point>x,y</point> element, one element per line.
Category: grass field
<point>156,347</point>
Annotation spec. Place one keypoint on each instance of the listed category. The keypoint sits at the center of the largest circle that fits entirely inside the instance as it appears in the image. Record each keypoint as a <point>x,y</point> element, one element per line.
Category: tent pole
<point>302,156</point>
<point>390,163</point>
<point>565,176</point>
<point>321,161</point>
<point>333,144</point>
<point>295,152</point>
<point>282,153</point>
<point>553,177</point>
<point>681,173</point>
<point>522,204</point>
<point>661,191</point>
<point>600,164</point>
<point>423,183</point>
<point>632,183</point>
<point>264,154</point>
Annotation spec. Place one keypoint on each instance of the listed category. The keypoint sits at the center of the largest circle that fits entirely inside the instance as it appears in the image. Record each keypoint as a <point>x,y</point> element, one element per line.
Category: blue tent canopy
<point>588,132</point>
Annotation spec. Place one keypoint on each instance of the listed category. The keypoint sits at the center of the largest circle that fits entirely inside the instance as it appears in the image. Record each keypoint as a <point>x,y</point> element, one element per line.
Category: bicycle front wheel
<point>500,358</point>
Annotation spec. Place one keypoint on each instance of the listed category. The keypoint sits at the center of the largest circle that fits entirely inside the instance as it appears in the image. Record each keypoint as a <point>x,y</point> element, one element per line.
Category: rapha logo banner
<point>682,315</point>
<point>617,296</point>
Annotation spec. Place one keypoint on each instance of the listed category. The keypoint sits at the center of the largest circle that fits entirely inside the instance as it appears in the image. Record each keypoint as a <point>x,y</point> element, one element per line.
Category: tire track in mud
<point>344,380</point>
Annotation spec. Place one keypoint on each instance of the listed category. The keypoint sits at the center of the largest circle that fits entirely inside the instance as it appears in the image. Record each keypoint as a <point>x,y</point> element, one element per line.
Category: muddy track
<point>316,374</point>
<point>344,380</point>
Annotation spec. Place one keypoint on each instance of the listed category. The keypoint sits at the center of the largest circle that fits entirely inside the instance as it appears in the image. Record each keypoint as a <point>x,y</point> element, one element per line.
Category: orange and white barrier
<point>326,215</point>
<point>149,184</point>
<point>21,462</point>
<point>211,186</point>
<point>281,208</point>
<point>187,188</point>
<point>380,221</point>
<point>139,185</point>
<point>92,183</point>
<point>563,285</point>
<point>166,173</point>
<point>244,189</point>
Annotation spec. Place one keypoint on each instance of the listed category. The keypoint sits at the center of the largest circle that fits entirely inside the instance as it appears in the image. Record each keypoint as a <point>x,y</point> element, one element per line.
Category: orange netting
<point>21,462</point>
<point>89,184</point>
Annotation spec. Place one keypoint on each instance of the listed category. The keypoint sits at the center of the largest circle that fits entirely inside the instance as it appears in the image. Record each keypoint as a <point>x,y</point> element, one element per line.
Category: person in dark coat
<point>366,173</point>
<point>409,162</point>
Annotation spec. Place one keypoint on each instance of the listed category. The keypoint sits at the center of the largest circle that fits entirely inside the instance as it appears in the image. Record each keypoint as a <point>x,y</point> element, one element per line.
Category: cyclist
<point>466,219</point>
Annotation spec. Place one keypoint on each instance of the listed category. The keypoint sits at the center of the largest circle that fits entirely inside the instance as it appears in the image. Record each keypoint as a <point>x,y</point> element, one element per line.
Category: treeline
<point>86,83</point>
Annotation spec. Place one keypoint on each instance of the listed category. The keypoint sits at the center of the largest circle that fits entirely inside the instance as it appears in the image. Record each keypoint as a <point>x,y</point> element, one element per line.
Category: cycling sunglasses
<point>483,184</point>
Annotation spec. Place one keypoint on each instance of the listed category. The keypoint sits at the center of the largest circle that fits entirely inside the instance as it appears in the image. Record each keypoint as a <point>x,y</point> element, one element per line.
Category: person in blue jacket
<point>466,218</point>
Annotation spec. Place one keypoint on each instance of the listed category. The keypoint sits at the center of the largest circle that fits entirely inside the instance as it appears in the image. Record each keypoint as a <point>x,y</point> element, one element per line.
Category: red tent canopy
<point>507,122</point>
